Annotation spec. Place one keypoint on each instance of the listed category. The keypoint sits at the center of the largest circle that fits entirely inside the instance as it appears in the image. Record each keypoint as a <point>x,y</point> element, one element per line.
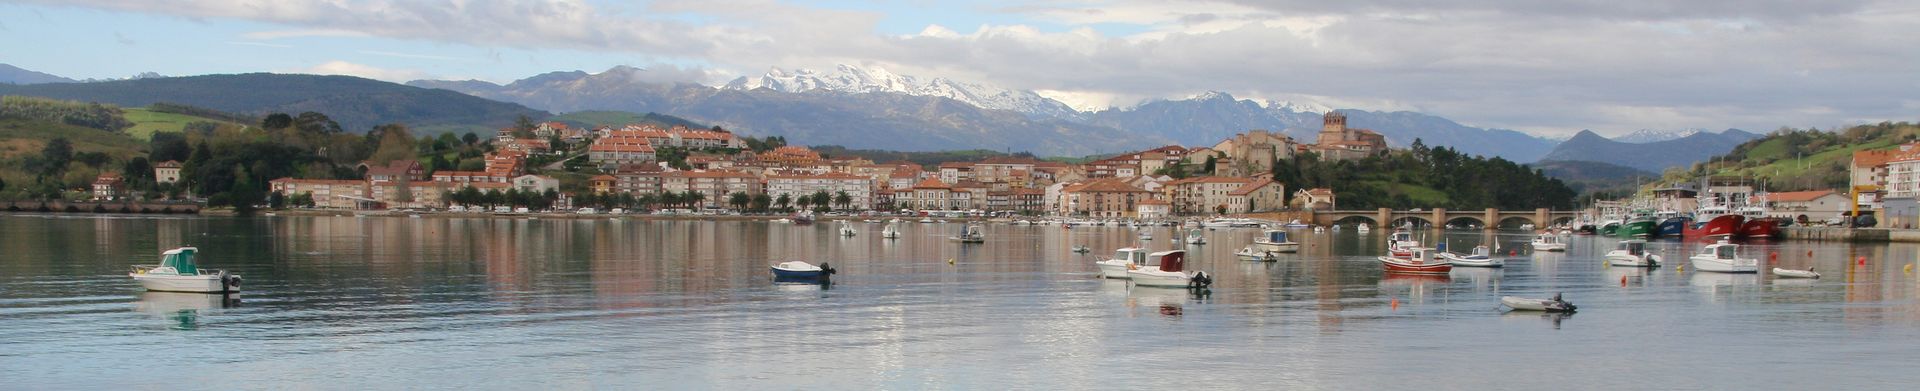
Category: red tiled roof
<point>1798,196</point>
<point>931,183</point>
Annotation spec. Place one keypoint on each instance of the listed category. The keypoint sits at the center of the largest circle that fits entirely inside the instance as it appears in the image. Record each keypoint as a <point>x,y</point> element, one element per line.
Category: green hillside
<point>357,104</point>
<point>1801,159</point>
<point>146,122</point>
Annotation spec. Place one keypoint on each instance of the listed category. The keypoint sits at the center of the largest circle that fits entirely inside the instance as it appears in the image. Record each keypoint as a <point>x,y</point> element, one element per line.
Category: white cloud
<point>337,67</point>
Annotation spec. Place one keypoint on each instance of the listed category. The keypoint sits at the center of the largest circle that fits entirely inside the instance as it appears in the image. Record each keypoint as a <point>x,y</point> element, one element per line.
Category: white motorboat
<point>177,272</point>
<point>1481,257</point>
<point>1295,224</point>
<point>1146,236</point>
<point>1248,253</point>
<point>1274,240</point>
<point>1723,257</point>
<point>1791,273</point>
<point>926,221</point>
<point>847,230</point>
<point>1548,242</point>
<point>1168,269</point>
<point>800,270</point>
<point>1319,229</point>
<point>1554,304</point>
<point>1362,228</point>
<point>1632,253</point>
<point>971,234</point>
<point>1194,237</point>
<point>890,232</point>
<point>1123,260</point>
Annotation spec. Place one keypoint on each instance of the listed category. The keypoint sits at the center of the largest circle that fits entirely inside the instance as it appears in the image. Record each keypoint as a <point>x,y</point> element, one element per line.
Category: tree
<point>137,172</point>
<point>57,154</point>
<point>316,123</point>
<point>821,199</point>
<point>738,200</point>
<point>165,146</point>
<point>394,144</point>
<point>277,121</point>
<point>523,127</point>
<point>1209,166</point>
<point>760,202</point>
<point>783,201</point>
<point>694,198</point>
<point>470,138</point>
<point>843,199</point>
<point>802,201</point>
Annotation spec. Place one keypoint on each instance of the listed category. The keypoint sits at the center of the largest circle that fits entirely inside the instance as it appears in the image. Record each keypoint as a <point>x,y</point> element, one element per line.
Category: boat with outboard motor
<point>1250,254</point>
<point>1124,259</point>
<point>1196,237</point>
<point>1420,260</point>
<point>1275,241</point>
<point>892,231</point>
<point>970,234</point>
<point>1168,269</point>
<point>179,272</point>
<point>1555,304</point>
<point>800,270</point>
<point>1548,242</point>
<point>1632,253</point>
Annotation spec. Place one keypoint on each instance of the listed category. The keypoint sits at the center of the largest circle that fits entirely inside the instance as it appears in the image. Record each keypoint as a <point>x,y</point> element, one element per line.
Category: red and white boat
<point>1718,227</point>
<point>1420,261</point>
<point>1401,243</point>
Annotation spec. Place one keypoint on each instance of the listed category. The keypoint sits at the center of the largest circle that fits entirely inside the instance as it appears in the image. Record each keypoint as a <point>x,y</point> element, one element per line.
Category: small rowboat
<point>1790,273</point>
<point>1481,257</point>
<point>1529,304</point>
<point>798,270</point>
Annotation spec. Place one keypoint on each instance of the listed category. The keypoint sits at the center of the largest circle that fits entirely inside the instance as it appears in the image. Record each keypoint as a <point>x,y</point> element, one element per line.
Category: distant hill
<point>357,104</point>
<point>15,75</point>
<point>1215,116</point>
<point>595,118</point>
<point>855,120</point>
<point>1587,177</point>
<point>1805,159</point>
<point>1654,156</point>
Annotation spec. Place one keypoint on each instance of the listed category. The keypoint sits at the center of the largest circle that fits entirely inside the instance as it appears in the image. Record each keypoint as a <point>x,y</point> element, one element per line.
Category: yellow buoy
<point>949,261</point>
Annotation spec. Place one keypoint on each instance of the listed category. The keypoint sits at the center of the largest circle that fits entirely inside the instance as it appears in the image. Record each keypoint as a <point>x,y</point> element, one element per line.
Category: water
<point>389,302</point>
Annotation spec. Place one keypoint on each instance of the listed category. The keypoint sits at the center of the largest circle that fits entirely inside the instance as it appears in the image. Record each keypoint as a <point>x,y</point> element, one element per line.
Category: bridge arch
<point>1514,222</point>
<point>1465,222</point>
<point>1418,221</point>
<point>1357,220</point>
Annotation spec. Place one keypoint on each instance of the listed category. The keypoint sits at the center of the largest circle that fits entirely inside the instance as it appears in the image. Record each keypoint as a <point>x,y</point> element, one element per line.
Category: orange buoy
<point>1773,257</point>
<point>1862,260</point>
<point>1396,303</point>
<point>1623,281</point>
<point>1809,253</point>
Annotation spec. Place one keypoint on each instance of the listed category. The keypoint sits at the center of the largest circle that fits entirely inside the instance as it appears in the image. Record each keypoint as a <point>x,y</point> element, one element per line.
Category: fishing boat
<point>1419,261</point>
<point>1274,240</point>
<point>1248,253</point>
<point>1723,257</point>
<point>1168,269</point>
<point>1791,273</point>
<point>1758,225</point>
<point>1194,237</point>
<point>1640,224</point>
<point>1632,253</point>
<point>1671,224</point>
<point>1481,257</point>
<point>970,234</point>
<point>1555,304</point>
<point>1146,236</point>
<point>1548,242</point>
<point>799,270</point>
<point>803,218</point>
<point>1401,243</point>
<point>1713,222</point>
<point>1610,228</point>
<point>177,272</point>
<point>1123,260</point>
<point>892,231</point>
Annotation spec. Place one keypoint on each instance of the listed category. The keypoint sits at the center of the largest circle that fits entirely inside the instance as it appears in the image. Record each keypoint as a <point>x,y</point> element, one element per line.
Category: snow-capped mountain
<point>854,79</point>
<point>1297,107</point>
<point>1643,136</point>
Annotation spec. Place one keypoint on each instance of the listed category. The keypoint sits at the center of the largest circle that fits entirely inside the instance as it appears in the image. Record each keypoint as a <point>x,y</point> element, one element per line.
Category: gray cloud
<point>1613,65</point>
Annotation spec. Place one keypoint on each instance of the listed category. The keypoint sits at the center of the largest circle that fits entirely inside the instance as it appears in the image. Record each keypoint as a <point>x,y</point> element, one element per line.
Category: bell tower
<point>1334,128</point>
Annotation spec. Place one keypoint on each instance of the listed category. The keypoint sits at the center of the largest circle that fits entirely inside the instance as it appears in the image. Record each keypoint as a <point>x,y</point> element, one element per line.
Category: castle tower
<point>1334,128</point>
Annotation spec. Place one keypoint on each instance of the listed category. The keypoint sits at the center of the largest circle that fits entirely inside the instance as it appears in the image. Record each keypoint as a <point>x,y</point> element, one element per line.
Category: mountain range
<point>15,75</point>
<point>1654,156</point>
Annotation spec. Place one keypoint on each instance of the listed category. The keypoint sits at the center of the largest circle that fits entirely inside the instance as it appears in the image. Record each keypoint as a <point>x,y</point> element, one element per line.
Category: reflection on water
<point>627,303</point>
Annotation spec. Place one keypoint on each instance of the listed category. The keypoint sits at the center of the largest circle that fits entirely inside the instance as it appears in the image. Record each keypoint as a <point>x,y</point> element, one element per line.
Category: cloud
<point>123,40</point>
<point>337,67</point>
<point>413,55</point>
<point>1610,65</point>
<point>259,44</point>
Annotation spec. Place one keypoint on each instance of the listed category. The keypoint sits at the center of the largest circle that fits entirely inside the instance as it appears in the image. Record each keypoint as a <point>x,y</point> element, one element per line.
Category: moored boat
<point>1196,237</point>
<point>1791,273</point>
<point>1640,224</point>
<point>1555,304</point>
<point>1723,257</point>
<point>1548,242</point>
<point>1632,253</point>
<point>1481,257</point>
<point>1717,226</point>
<point>1419,261</point>
<point>1362,228</point>
<point>890,232</point>
<point>1168,269</point>
<point>1275,241</point>
<point>1248,253</point>
<point>178,272</point>
<point>1124,259</point>
<point>1673,227</point>
<point>799,270</point>
<point>971,234</point>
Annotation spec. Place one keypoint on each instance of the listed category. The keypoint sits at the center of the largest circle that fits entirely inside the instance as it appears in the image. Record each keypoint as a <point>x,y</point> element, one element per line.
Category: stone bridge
<point>1488,218</point>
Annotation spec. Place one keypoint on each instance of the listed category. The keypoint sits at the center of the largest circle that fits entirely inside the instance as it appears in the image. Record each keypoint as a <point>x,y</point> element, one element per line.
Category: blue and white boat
<point>798,270</point>
<point>177,272</point>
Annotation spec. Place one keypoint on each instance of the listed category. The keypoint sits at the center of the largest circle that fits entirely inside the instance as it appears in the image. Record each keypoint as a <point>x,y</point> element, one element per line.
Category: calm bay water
<point>390,302</point>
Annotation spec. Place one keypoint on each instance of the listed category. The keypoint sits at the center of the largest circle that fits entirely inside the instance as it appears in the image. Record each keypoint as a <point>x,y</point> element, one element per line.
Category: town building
<point>167,172</point>
<point>858,188</point>
<point>1102,198</point>
<point>714,186</point>
<point>1260,195</point>
<point>1152,209</point>
<point>1339,142</point>
<point>1814,205</point>
<point>109,186</point>
<point>1250,153</point>
<point>1202,195</point>
<point>397,170</point>
<point>1318,198</point>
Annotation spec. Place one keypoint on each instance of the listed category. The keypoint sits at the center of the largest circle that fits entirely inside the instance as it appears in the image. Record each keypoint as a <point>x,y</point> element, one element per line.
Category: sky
<point>1549,68</point>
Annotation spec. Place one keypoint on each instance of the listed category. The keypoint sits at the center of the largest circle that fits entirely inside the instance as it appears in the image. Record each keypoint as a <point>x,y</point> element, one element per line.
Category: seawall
<point>1851,234</point>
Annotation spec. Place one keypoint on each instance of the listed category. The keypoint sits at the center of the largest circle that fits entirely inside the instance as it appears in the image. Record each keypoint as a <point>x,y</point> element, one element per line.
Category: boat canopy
<point>1401,236</point>
<point>1168,261</point>
<point>1132,255</point>
<point>181,260</point>
<point>1276,236</point>
<point>1634,247</point>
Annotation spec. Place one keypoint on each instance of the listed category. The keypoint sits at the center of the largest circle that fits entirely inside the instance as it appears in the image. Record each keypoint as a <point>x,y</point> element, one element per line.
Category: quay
<point>1837,234</point>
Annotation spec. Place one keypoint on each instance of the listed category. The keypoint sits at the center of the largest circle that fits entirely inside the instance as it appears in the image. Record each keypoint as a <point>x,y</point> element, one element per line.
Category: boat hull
<point>1472,261</point>
<point>1526,304</point>
<point>1397,265</point>
<point>1673,227</point>
<point>1636,229</point>
<point>1739,265</point>
<point>1759,229</point>
<point>1719,227</point>
<point>784,274</point>
<point>1154,277</point>
<point>1633,261</point>
<point>1261,246</point>
<point>1610,229</point>
<point>1110,269</point>
<point>206,283</point>
<point>1790,273</point>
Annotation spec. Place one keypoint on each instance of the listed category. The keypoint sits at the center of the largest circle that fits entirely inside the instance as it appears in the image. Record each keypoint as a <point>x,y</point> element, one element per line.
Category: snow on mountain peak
<point>1298,107</point>
<point>1650,135</point>
<point>856,79</point>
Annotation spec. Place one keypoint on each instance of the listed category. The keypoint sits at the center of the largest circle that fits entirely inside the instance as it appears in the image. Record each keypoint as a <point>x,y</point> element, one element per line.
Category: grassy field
<point>146,122</point>
<point>25,137</point>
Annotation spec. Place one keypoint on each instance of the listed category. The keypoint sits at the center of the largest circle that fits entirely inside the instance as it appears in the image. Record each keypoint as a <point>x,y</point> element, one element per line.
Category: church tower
<point>1334,128</point>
